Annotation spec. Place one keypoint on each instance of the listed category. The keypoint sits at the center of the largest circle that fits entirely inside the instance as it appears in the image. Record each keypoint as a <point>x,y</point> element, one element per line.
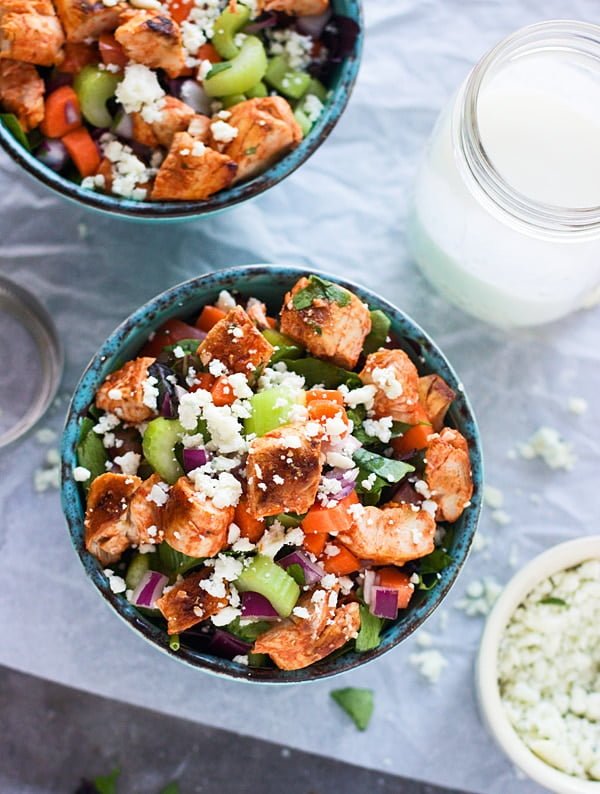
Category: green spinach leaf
<point>357,703</point>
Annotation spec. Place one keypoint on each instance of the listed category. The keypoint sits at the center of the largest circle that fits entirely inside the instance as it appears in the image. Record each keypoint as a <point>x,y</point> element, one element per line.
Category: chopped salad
<point>273,489</point>
<point>172,100</point>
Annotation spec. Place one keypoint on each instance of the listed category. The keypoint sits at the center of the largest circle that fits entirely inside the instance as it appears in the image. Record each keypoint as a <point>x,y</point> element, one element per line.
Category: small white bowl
<point>558,558</point>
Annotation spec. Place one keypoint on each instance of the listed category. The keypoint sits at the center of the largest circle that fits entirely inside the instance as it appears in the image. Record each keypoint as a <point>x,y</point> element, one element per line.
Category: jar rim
<point>580,37</point>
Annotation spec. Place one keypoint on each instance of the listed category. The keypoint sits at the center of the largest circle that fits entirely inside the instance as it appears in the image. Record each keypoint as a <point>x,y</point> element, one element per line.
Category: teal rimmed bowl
<point>268,282</point>
<point>344,77</point>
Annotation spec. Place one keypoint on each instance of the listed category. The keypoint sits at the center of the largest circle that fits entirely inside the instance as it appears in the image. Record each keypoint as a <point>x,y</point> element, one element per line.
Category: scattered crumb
<point>429,664</point>
<point>48,475</point>
<point>45,435</point>
<point>493,497</point>
<point>535,498</point>
<point>547,444</point>
<point>82,231</point>
<point>501,517</point>
<point>480,597</point>
<point>513,557</point>
<point>577,405</point>
<point>424,639</point>
<point>444,616</point>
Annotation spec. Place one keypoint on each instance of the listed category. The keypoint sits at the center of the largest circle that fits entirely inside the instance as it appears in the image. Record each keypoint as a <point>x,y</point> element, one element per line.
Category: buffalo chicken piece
<point>448,474</point>
<point>237,344</point>
<point>153,39</point>
<point>266,131</point>
<point>296,8</point>
<point>396,380</point>
<point>107,522</point>
<point>30,31</point>
<point>283,472</point>
<point>192,171</point>
<point>175,116</point>
<point>192,524</point>
<point>145,514</point>
<point>329,321</point>
<point>22,92</point>
<point>187,604</point>
<point>390,536</point>
<point>436,397</point>
<point>128,393</point>
<point>87,19</point>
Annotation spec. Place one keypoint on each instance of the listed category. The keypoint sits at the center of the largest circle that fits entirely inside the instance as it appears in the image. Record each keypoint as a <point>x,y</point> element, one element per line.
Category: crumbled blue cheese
<point>223,490</point>
<point>81,474</point>
<point>128,172</point>
<point>48,476</point>
<point>480,597</point>
<point>45,435</point>
<point>129,462</point>
<point>547,444</point>
<point>379,428</point>
<point>577,405</point>
<point>429,663</point>
<point>493,497</point>
<point>116,583</point>
<point>386,378</point>
<point>296,48</point>
<point>140,92</point>
<point>278,375</point>
<point>312,107</point>
<point>223,132</point>
<point>364,395</point>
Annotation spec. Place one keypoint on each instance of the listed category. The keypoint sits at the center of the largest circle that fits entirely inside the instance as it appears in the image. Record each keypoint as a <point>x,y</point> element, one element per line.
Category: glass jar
<point>506,213</point>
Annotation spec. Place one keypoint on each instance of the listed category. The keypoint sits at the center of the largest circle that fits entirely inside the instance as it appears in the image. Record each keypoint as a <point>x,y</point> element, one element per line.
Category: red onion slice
<point>226,645</point>
<point>256,606</point>
<point>312,572</point>
<point>368,584</point>
<point>346,478</point>
<point>53,154</point>
<point>149,589</point>
<point>384,602</point>
<point>194,459</point>
<point>314,24</point>
<point>195,96</point>
<point>124,127</point>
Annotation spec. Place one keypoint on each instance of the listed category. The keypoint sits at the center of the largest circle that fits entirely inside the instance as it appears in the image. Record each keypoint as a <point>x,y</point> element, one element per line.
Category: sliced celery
<point>257,91</point>
<point>303,120</point>
<point>160,439</point>
<point>270,580</point>
<point>139,565</point>
<point>317,88</point>
<point>94,87</point>
<point>272,408</point>
<point>285,347</point>
<point>226,26</point>
<point>234,99</point>
<point>244,72</point>
<point>286,81</point>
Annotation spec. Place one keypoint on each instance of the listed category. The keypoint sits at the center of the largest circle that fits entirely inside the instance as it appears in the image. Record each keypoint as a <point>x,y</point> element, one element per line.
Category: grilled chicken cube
<point>237,344</point>
<point>296,8</point>
<point>30,32</point>
<point>299,642</point>
<point>87,19</point>
<point>192,524</point>
<point>327,328</point>
<point>397,382</point>
<point>175,116</point>
<point>283,472</point>
<point>107,523</point>
<point>390,536</point>
<point>187,604</point>
<point>448,474</point>
<point>145,515</point>
<point>152,38</point>
<point>192,171</point>
<point>22,92</point>
<point>436,397</point>
<point>125,392</point>
<point>257,312</point>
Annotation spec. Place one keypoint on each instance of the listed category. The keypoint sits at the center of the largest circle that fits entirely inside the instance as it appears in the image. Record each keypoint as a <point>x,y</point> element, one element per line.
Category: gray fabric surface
<point>343,212</point>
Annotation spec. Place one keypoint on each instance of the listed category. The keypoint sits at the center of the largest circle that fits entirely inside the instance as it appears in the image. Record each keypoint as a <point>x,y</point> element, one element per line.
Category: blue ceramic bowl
<point>268,282</point>
<point>341,86</point>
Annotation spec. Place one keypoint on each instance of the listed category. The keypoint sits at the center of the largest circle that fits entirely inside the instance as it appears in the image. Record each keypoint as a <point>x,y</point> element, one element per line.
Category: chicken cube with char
<point>87,19</point>
<point>237,344</point>
<point>192,524</point>
<point>295,8</point>
<point>152,38</point>
<point>283,472</point>
<point>22,92</point>
<point>436,397</point>
<point>396,380</point>
<point>265,130</point>
<point>390,536</point>
<point>192,171</point>
<point>330,327</point>
<point>448,474</point>
<point>187,604</point>
<point>175,116</point>
<point>145,514</point>
<point>125,392</point>
<point>30,31</point>
<point>301,641</point>
<point>107,522</point>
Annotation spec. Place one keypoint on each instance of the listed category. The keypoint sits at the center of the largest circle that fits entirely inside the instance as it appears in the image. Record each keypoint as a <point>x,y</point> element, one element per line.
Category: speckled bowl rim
<point>226,199</point>
<point>558,558</point>
<point>172,303</point>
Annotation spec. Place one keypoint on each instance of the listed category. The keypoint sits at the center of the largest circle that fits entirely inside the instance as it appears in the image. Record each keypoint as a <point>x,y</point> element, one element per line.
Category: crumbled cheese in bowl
<point>549,670</point>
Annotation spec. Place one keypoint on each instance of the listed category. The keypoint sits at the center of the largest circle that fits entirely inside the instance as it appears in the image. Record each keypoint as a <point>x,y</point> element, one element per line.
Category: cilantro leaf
<point>318,289</point>
<point>357,703</point>
<point>217,69</point>
<point>370,629</point>
<point>557,602</point>
<point>107,784</point>
<point>388,469</point>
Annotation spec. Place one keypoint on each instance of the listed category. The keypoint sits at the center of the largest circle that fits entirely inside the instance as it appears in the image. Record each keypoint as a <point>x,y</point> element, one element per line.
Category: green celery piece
<point>270,580</point>
<point>380,328</point>
<point>303,121</point>
<point>90,451</point>
<point>370,629</point>
<point>159,443</point>
<point>174,642</point>
<point>139,565</point>
<point>13,125</point>
<point>258,91</point>
<point>316,88</point>
<point>265,416</point>
<point>234,99</point>
<point>247,69</point>
<point>173,563</point>
<point>94,87</point>
<point>296,571</point>
<point>387,468</point>
<point>226,26</point>
<point>285,80</point>
<point>357,703</point>
<point>171,788</point>
<point>107,784</point>
<point>319,289</point>
<point>285,347</point>
<point>317,372</point>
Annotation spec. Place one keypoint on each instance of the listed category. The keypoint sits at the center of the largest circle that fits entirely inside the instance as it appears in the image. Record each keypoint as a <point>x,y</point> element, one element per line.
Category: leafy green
<point>107,784</point>
<point>357,703</point>
<point>250,631</point>
<point>189,346</point>
<point>257,660</point>
<point>297,573</point>
<point>430,567</point>
<point>380,327</point>
<point>217,69</point>
<point>12,124</point>
<point>372,494</point>
<point>557,602</point>
<point>288,519</point>
<point>388,469</point>
<point>315,372</point>
<point>370,629</point>
<point>318,289</point>
<point>173,563</point>
<point>285,347</point>
<point>90,451</point>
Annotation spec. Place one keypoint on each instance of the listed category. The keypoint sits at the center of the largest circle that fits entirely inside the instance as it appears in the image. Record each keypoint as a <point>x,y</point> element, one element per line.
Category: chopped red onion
<point>166,408</point>
<point>314,24</point>
<point>312,572</point>
<point>53,154</point>
<point>195,96</point>
<point>347,479</point>
<point>384,602</point>
<point>406,493</point>
<point>368,584</point>
<point>194,459</point>
<point>226,645</point>
<point>266,20</point>
<point>256,606</point>
<point>149,589</point>
<point>124,127</point>
<point>346,446</point>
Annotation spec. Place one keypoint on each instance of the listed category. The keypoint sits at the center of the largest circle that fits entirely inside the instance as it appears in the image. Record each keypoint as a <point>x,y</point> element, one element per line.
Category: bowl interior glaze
<point>268,283</point>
